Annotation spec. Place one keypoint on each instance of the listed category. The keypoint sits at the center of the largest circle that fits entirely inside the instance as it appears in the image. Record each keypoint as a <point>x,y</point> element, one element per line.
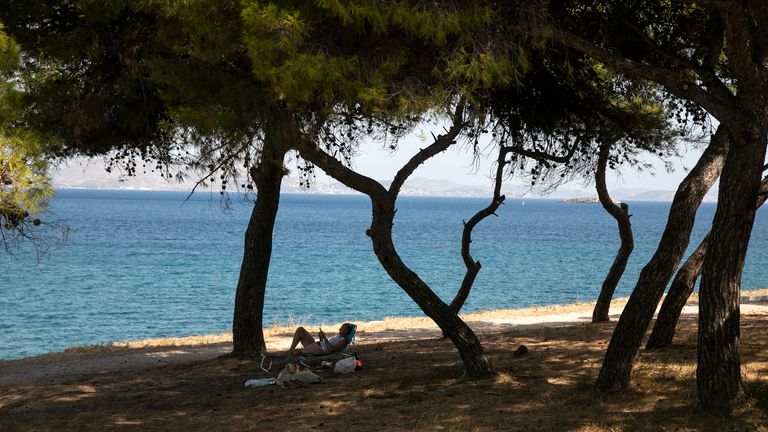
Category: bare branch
<point>473,267</point>
<point>544,156</point>
<point>312,153</point>
<point>440,143</point>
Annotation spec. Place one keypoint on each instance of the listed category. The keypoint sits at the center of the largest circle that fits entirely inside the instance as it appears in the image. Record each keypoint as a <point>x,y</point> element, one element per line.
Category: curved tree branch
<point>473,267</point>
<point>721,108</point>
<point>337,170</point>
<point>544,156</point>
<point>441,143</point>
<point>601,185</point>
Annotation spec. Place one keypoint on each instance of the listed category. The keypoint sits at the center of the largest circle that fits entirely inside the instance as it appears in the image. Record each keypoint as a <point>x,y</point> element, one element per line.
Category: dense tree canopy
<point>24,183</point>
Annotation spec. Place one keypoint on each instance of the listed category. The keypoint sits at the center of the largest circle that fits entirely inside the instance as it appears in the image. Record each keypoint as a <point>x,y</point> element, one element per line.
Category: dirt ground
<point>411,380</point>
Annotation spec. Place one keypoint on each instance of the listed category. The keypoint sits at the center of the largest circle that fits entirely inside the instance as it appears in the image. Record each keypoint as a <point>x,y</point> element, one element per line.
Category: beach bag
<point>345,365</point>
<point>293,377</point>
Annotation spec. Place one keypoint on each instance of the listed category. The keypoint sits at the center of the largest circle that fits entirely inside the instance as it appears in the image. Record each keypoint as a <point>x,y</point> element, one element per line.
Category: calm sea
<point>142,264</point>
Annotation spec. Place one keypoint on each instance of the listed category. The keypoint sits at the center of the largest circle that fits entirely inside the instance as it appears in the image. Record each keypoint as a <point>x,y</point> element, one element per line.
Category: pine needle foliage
<point>24,182</point>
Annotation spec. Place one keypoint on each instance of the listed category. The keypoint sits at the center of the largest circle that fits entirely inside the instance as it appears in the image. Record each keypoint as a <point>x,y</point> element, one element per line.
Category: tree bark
<point>247,323</point>
<point>616,371</point>
<point>621,214</point>
<point>682,288</point>
<point>718,375</point>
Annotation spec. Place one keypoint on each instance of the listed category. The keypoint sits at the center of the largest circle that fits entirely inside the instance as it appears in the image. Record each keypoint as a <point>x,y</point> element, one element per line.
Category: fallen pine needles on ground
<point>409,385</point>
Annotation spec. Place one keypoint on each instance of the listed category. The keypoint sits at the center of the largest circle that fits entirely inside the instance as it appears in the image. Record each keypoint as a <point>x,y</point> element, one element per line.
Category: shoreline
<point>137,355</point>
<point>530,315</point>
<point>274,334</point>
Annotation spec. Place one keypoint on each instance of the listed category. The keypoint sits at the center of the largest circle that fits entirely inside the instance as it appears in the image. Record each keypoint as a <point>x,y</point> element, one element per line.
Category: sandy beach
<point>87,361</point>
<point>411,380</point>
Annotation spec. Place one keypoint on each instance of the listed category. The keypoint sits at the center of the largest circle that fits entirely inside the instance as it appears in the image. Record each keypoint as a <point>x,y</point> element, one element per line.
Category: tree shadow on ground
<point>408,384</point>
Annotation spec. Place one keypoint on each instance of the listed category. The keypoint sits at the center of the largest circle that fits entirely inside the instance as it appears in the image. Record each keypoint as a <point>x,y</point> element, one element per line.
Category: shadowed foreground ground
<point>409,385</point>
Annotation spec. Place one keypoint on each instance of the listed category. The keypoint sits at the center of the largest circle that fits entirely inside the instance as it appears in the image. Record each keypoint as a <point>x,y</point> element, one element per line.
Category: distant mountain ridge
<point>92,176</point>
<point>420,186</point>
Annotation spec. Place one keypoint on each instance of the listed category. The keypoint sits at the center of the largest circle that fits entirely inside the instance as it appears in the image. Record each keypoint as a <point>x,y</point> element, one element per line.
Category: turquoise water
<point>148,264</point>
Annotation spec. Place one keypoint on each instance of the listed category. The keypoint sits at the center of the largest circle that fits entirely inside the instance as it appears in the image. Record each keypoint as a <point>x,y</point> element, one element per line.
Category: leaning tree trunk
<point>471,351</point>
<point>718,375</point>
<point>682,288</point>
<point>468,345</point>
<point>616,371</point>
<point>247,323</point>
<point>472,266</point>
<point>621,214</point>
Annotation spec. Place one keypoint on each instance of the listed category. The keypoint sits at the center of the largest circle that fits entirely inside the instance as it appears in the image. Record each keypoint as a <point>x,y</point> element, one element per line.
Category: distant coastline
<point>586,200</point>
<point>414,188</point>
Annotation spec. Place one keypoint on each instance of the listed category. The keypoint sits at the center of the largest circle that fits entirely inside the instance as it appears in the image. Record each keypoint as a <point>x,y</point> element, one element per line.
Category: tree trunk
<point>475,362</point>
<point>616,371</point>
<point>247,324</point>
<point>621,214</point>
<point>471,351</point>
<point>718,375</point>
<point>682,288</point>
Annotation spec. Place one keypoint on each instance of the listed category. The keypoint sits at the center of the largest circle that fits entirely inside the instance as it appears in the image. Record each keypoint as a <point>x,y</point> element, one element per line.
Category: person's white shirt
<point>334,341</point>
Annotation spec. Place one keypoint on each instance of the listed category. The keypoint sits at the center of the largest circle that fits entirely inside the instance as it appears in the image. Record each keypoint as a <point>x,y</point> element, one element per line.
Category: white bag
<point>345,365</point>
<point>259,382</point>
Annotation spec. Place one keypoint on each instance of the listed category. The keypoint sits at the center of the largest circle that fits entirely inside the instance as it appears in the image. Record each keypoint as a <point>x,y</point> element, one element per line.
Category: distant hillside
<point>93,176</point>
